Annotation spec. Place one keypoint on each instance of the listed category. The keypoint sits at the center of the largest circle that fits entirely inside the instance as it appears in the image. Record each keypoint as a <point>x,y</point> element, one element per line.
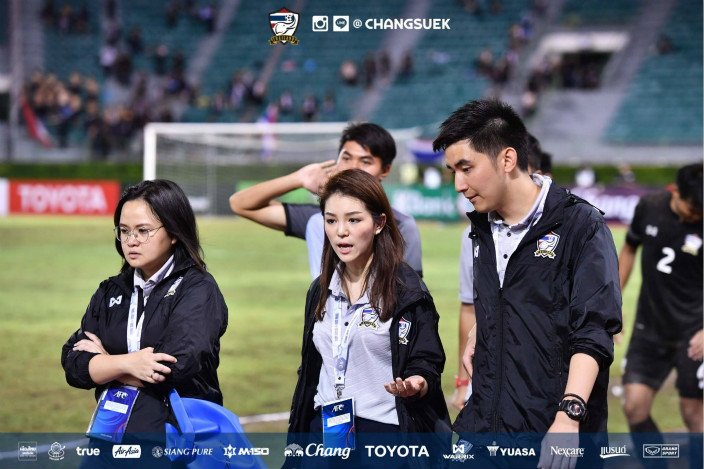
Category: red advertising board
<point>63,197</point>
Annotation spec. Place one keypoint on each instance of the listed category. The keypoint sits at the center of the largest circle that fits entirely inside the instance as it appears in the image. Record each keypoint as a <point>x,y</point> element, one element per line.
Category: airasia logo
<point>69,198</point>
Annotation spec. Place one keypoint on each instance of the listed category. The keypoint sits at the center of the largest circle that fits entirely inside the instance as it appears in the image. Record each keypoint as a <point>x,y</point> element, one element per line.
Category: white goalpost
<point>209,161</point>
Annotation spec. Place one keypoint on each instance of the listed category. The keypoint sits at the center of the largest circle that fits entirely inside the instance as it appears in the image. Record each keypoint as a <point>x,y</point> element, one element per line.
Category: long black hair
<point>171,207</point>
<point>388,244</point>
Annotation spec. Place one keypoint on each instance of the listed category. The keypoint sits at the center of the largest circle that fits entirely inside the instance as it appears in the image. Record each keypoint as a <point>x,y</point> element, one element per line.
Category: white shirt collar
<point>157,277</point>
<point>536,210</point>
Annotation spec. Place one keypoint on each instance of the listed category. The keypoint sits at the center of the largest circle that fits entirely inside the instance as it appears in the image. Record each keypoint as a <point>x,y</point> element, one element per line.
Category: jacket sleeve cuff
<point>80,377</point>
<point>600,359</point>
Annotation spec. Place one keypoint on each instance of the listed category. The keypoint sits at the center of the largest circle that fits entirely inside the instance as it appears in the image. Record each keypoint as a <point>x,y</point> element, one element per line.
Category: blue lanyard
<point>340,345</point>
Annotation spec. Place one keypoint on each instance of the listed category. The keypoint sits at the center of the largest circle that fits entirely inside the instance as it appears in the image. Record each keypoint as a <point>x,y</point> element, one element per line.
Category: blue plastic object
<point>209,436</point>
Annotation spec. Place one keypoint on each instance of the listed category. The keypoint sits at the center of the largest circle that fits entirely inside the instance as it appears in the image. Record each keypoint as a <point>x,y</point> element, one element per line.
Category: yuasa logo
<point>87,451</point>
<point>402,451</point>
<point>126,451</point>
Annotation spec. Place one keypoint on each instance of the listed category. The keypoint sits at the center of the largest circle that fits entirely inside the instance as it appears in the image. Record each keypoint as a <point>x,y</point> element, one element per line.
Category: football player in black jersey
<point>667,332</point>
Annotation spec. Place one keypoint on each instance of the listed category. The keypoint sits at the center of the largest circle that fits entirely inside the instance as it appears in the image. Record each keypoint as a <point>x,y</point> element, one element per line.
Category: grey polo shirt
<point>368,358</point>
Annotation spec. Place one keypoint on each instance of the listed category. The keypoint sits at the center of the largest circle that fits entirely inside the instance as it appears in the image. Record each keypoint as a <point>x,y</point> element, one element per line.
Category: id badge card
<point>112,413</point>
<point>338,424</point>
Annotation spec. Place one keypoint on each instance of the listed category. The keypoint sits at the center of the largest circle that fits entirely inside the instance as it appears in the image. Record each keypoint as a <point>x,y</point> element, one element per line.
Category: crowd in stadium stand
<point>162,92</point>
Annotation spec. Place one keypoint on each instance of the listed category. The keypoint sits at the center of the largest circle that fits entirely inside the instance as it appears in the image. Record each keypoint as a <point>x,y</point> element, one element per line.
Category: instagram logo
<point>320,23</point>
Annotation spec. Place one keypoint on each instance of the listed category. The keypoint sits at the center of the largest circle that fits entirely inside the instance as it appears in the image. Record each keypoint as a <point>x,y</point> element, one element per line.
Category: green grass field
<point>52,266</point>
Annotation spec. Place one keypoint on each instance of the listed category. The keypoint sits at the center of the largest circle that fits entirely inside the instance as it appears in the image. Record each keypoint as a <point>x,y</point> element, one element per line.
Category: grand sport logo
<point>661,451</point>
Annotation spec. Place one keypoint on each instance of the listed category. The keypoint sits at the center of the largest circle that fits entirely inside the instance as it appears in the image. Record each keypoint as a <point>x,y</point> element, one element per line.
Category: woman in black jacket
<point>371,327</point>
<point>153,327</point>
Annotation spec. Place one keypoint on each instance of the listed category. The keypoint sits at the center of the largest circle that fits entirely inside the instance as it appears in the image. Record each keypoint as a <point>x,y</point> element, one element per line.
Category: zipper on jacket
<point>500,358</point>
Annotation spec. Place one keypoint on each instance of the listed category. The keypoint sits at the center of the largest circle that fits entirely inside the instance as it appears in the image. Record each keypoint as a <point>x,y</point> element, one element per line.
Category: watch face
<point>576,408</point>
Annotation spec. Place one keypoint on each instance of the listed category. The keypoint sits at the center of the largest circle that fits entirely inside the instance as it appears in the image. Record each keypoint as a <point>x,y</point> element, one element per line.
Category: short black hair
<point>546,163</point>
<point>489,125</point>
<point>374,137</point>
<point>689,184</point>
<point>534,151</point>
<point>171,207</point>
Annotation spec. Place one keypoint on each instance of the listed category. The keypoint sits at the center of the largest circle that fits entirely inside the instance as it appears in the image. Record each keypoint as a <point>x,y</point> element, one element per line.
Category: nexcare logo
<point>402,451</point>
<point>567,452</point>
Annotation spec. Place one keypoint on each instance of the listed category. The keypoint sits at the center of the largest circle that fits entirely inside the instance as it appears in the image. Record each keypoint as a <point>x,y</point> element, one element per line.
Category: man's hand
<point>458,398</point>
<point>695,346</point>
<point>315,175</point>
<point>468,356</point>
<point>564,433</point>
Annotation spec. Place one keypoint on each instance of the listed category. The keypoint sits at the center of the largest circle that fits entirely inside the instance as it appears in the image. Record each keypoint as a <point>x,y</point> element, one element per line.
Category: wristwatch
<point>575,409</point>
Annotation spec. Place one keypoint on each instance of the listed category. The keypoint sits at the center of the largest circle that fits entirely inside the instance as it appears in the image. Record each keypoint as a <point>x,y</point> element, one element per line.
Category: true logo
<point>284,24</point>
<point>547,245</point>
<point>87,451</point>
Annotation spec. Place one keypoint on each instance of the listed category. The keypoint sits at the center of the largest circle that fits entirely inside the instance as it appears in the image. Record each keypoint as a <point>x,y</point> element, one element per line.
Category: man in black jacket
<point>547,295</point>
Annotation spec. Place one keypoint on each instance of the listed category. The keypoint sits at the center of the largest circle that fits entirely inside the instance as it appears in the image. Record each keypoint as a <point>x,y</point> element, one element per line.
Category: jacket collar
<point>125,279</point>
<point>553,212</point>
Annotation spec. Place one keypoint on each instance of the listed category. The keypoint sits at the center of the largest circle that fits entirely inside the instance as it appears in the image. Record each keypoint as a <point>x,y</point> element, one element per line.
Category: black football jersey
<point>670,301</point>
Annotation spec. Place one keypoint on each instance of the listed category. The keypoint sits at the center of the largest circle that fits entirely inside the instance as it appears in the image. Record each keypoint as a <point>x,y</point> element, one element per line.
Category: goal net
<point>211,161</point>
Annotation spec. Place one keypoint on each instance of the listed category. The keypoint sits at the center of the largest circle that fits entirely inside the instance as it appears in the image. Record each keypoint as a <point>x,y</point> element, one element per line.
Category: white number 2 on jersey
<point>664,264</point>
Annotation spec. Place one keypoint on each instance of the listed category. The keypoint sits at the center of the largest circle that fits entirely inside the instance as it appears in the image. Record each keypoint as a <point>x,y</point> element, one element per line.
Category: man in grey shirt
<point>363,146</point>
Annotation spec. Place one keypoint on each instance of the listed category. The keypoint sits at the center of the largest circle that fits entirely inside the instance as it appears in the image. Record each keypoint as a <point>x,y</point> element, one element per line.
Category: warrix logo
<point>115,301</point>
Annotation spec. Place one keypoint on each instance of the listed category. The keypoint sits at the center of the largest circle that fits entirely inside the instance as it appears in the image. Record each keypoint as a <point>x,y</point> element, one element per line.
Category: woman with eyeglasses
<point>153,327</point>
